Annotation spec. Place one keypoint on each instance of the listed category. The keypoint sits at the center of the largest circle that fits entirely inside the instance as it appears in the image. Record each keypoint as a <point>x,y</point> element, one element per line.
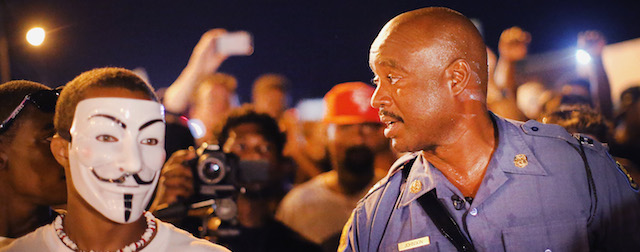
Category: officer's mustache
<point>390,114</point>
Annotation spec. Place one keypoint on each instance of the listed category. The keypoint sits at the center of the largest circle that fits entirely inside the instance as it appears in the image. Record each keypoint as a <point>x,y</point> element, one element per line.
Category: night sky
<point>315,43</point>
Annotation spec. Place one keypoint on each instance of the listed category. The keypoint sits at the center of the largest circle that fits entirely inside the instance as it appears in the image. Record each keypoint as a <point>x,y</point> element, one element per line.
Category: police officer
<point>475,181</point>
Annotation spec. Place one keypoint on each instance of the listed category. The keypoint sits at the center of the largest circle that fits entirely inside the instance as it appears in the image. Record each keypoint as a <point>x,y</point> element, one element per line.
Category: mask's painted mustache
<point>389,114</point>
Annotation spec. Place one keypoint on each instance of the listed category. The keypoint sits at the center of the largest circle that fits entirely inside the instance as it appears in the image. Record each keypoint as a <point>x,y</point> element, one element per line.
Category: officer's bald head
<point>444,34</point>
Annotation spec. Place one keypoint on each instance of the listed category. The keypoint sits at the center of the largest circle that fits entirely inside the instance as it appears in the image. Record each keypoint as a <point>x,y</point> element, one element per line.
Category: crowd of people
<point>434,153</point>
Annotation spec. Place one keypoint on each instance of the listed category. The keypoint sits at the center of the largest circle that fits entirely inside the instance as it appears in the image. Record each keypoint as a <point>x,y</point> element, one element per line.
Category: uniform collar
<point>510,144</point>
<point>422,178</point>
<point>512,147</point>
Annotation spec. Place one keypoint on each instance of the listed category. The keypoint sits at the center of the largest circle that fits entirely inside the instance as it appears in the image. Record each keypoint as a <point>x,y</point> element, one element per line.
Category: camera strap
<point>441,217</point>
<point>443,220</point>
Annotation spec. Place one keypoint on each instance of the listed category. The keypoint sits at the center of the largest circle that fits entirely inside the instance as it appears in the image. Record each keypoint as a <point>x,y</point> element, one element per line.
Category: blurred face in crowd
<point>247,142</point>
<point>211,104</point>
<point>528,99</point>
<point>352,146</point>
<point>31,170</point>
<point>270,101</point>
<point>212,99</point>
<point>257,204</point>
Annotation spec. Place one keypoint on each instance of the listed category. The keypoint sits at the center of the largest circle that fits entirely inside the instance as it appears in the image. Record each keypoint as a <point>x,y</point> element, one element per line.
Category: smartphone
<point>235,43</point>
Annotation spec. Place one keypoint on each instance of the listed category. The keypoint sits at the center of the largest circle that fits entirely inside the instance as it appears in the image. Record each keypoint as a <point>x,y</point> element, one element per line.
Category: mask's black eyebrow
<point>149,123</point>
<point>116,120</point>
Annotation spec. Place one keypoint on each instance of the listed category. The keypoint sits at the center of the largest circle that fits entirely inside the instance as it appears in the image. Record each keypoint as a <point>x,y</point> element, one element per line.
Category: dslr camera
<point>218,174</point>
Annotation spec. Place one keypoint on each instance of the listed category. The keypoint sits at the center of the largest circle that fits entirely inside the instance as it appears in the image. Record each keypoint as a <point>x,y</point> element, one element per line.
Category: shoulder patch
<point>632,182</point>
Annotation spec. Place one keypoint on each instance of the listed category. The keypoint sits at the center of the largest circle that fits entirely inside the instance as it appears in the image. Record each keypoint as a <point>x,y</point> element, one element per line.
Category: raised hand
<point>592,41</point>
<point>513,44</point>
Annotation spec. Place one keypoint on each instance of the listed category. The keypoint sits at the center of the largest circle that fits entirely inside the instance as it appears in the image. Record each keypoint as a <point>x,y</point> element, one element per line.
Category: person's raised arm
<point>204,60</point>
<point>512,47</point>
<point>593,42</point>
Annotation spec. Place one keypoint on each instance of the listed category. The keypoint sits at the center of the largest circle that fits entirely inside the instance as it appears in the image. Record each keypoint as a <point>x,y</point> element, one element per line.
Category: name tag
<point>415,243</point>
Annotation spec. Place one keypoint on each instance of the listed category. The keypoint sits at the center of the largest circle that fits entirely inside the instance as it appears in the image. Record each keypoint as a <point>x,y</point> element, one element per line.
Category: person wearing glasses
<point>30,178</point>
<point>110,140</point>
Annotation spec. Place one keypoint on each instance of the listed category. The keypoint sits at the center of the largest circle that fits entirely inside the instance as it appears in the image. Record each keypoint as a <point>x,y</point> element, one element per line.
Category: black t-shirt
<point>274,236</point>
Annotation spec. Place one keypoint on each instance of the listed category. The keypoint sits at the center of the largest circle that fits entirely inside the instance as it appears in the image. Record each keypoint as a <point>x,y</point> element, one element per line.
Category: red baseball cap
<point>349,103</point>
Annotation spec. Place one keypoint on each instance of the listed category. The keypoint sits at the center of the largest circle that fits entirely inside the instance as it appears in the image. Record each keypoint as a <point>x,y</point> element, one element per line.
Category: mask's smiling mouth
<point>120,180</point>
<point>130,186</point>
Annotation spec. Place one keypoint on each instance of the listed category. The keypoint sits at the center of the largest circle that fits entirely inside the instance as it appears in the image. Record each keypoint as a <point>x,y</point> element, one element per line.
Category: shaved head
<point>446,34</point>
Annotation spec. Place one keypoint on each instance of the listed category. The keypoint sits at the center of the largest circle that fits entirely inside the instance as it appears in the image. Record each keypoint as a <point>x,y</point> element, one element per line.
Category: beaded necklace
<point>144,240</point>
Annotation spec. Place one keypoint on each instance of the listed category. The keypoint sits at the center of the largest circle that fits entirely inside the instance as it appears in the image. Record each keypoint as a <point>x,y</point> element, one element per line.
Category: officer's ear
<point>60,150</point>
<point>458,75</point>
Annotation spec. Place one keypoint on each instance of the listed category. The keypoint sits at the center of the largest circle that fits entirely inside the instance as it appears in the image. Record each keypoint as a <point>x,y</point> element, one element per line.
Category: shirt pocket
<point>562,235</point>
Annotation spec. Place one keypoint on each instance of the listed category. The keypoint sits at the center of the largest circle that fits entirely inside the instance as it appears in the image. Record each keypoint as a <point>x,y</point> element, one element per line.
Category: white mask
<point>116,153</point>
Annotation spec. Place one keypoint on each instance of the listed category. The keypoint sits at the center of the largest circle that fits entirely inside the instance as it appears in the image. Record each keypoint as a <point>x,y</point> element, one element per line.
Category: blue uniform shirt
<point>534,196</point>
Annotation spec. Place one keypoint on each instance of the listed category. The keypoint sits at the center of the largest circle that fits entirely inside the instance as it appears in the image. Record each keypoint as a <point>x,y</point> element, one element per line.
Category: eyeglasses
<point>44,100</point>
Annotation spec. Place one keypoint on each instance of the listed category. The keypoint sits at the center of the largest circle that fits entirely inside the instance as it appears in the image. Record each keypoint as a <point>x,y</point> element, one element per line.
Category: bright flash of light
<point>583,57</point>
<point>35,36</point>
<point>197,128</point>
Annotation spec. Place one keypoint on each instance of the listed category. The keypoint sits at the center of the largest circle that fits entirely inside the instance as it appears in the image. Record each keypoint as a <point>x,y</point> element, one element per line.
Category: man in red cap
<point>319,208</point>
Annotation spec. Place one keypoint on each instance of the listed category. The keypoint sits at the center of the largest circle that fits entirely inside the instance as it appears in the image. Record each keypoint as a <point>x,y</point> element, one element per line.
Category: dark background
<point>315,43</point>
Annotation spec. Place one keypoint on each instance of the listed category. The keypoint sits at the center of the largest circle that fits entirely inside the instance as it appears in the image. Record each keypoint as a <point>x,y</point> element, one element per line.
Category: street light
<point>35,36</point>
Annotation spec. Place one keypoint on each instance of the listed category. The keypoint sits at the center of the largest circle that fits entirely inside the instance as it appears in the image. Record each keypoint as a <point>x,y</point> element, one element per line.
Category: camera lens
<point>211,170</point>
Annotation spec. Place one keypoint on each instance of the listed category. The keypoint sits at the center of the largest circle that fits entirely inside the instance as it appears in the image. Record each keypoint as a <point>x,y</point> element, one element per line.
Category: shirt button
<point>473,212</point>
<point>547,250</point>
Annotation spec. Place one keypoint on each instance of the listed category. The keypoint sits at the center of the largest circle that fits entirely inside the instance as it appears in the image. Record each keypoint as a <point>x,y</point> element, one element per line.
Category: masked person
<point>110,141</point>
<point>319,208</point>
<point>475,181</point>
<point>31,181</point>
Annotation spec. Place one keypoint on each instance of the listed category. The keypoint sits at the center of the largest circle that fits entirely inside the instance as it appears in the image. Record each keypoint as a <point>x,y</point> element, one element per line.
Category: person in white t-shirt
<point>319,208</point>
<point>110,140</point>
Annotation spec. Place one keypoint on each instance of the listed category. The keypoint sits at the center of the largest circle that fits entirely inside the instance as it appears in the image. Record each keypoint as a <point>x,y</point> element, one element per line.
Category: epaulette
<point>535,128</point>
